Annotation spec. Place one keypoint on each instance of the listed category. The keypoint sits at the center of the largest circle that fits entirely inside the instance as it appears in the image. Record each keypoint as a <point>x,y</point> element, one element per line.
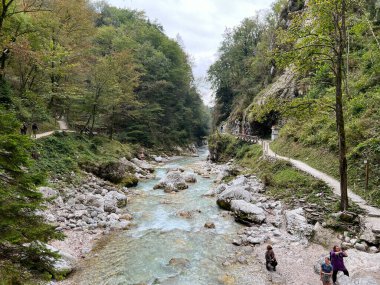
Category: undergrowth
<point>62,153</point>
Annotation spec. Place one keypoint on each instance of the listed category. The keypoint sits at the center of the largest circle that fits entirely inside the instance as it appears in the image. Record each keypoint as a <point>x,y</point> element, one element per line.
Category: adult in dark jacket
<point>270,259</point>
<point>337,262</point>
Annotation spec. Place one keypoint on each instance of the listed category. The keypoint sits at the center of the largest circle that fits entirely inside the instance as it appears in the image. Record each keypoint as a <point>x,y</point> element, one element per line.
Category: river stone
<point>217,190</point>
<point>173,181</point>
<point>112,171</point>
<point>96,201</point>
<point>143,165</point>
<point>209,225</point>
<point>62,266</point>
<point>232,193</point>
<point>296,223</point>
<point>182,262</point>
<point>190,178</point>
<point>121,199</point>
<point>247,212</point>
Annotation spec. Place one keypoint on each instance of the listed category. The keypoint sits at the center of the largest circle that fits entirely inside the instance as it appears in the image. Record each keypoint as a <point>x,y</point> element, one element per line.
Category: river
<point>142,254</point>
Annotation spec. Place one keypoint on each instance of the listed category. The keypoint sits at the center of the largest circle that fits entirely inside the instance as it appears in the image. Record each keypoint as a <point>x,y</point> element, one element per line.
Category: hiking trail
<point>372,220</point>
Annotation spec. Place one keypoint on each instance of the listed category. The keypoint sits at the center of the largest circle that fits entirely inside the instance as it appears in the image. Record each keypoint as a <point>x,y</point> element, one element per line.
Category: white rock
<point>247,212</point>
<point>296,223</point>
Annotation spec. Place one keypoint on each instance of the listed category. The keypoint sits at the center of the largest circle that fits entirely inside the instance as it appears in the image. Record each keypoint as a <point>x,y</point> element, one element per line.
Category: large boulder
<point>296,223</point>
<point>114,200</point>
<point>240,180</point>
<point>232,193</point>
<point>96,201</point>
<point>63,265</point>
<point>247,213</point>
<point>113,171</point>
<point>143,165</point>
<point>173,181</point>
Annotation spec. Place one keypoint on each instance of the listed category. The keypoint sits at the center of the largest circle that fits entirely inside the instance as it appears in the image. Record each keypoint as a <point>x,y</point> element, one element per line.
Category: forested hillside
<point>103,69</point>
<point>117,80</point>
<point>289,67</point>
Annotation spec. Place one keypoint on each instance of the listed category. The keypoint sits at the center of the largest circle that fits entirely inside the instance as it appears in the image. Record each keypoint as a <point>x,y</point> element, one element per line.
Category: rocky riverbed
<point>187,225</point>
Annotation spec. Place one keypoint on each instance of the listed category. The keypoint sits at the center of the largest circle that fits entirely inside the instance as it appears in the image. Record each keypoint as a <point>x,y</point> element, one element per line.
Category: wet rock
<point>209,225</point>
<point>173,181</point>
<point>232,193</point>
<point>246,212</point>
<point>217,190</point>
<point>190,178</point>
<point>181,262</point>
<point>185,214</point>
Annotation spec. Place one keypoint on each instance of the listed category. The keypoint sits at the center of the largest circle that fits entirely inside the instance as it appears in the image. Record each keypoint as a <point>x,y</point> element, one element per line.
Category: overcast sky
<point>200,23</point>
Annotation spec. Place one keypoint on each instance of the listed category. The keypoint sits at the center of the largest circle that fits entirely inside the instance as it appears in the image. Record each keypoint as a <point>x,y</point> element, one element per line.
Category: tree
<point>315,39</point>
<point>22,230</point>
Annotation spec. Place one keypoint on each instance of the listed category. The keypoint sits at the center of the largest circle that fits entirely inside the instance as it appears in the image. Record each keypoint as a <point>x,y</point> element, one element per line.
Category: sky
<point>200,24</point>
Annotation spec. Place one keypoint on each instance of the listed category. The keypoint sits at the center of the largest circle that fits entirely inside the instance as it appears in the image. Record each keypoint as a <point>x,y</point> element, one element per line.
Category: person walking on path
<point>23,129</point>
<point>34,130</point>
<point>337,262</point>
<point>326,272</point>
<point>270,259</point>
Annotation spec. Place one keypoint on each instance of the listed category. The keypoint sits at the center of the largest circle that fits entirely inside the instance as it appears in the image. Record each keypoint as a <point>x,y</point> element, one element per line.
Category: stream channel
<point>141,255</point>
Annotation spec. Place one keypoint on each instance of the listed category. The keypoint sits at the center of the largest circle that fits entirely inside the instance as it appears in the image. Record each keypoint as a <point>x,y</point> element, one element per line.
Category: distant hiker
<point>326,272</point>
<point>34,130</point>
<point>336,256</point>
<point>270,259</point>
<point>23,129</point>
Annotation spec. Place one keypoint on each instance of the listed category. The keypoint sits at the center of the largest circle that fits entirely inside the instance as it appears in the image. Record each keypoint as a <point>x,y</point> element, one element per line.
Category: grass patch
<point>327,162</point>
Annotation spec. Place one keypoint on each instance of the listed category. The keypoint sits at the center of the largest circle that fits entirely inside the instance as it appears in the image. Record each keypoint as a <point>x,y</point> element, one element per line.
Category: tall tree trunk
<point>341,44</point>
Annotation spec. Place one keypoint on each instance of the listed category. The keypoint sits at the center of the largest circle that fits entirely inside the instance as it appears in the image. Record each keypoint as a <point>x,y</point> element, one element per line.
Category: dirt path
<point>372,220</point>
<point>62,127</point>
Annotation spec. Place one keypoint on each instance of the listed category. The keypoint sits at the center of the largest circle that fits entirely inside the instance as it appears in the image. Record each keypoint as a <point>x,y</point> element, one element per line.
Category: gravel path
<point>62,127</point>
<point>372,220</point>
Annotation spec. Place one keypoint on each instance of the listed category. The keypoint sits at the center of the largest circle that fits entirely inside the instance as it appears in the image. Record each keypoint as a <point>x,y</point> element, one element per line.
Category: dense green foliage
<point>104,69</point>
<point>21,229</point>
<point>300,94</point>
<point>62,153</point>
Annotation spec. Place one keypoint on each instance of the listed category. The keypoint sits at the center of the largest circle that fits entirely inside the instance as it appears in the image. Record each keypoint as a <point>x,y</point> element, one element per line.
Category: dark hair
<point>269,247</point>
<point>334,248</point>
